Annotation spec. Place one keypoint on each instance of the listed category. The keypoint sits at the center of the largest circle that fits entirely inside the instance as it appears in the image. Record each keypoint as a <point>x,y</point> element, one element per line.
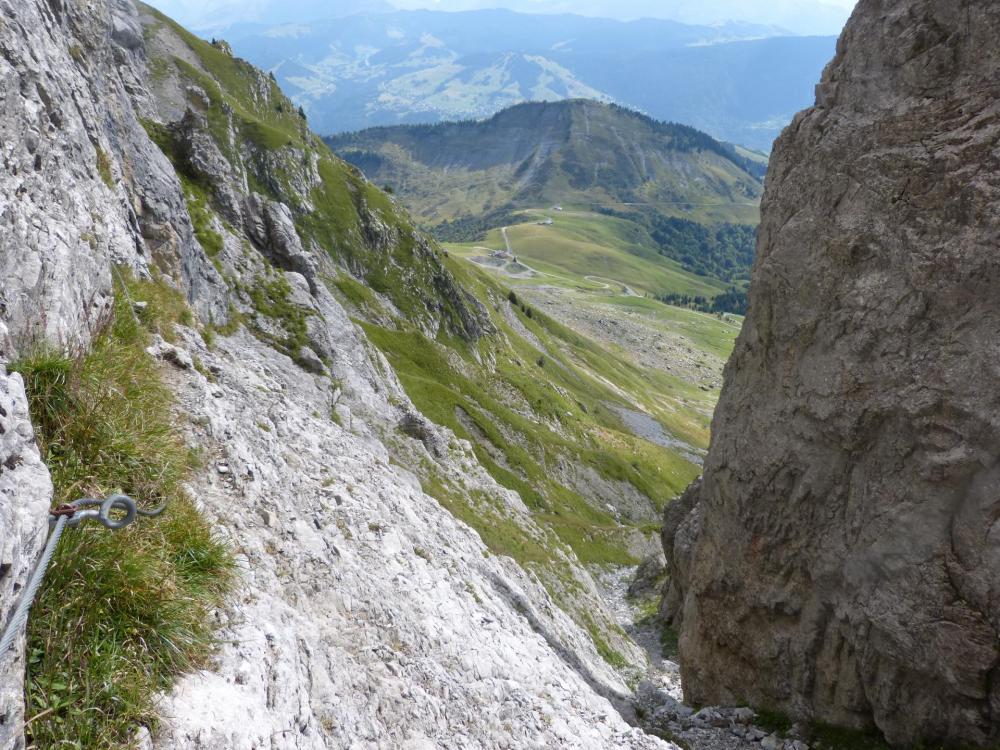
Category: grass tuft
<point>773,721</point>
<point>164,306</point>
<point>201,218</point>
<point>104,168</point>
<point>272,299</point>
<point>121,613</point>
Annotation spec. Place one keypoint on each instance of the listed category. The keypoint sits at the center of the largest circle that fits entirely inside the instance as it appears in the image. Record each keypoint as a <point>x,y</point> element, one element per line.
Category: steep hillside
<point>424,67</point>
<point>390,487</point>
<point>239,144</point>
<point>839,562</point>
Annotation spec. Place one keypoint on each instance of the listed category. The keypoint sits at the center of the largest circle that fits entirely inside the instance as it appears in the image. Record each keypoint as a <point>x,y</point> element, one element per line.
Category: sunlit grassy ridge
<point>604,248</point>
<point>121,613</point>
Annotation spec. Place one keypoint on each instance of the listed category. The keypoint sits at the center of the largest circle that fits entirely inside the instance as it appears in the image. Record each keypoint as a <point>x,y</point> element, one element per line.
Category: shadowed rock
<point>842,561</point>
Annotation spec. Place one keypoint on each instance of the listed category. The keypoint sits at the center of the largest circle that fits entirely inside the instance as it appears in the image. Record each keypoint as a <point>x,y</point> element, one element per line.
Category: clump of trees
<point>731,301</point>
<point>724,251</point>
<point>472,228</point>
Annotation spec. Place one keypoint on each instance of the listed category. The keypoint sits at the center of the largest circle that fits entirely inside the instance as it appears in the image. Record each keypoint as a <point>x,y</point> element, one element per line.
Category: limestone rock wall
<point>82,184</point>
<point>368,616</point>
<point>25,492</point>
<point>842,558</point>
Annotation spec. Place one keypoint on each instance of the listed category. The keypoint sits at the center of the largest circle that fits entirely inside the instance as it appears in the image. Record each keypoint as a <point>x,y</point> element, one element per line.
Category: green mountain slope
<point>576,152</point>
<point>610,183</point>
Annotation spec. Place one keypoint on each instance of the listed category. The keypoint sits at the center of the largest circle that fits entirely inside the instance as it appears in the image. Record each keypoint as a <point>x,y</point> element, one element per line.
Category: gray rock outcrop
<point>368,616</point>
<point>25,492</point>
<point>83,186</point>
<point>842,560</point>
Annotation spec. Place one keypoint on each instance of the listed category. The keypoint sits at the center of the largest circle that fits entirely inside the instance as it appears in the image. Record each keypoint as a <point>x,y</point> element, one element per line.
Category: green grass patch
<point>271,298</point>
<point>599,541</point>
<point>607,653</point>
<point>498,532</point>
<point>605,248</point>
<point>121,613</point>
<point>164,305</point>
<point>358,295</point>
<point>160,135</point>
<point>104,167</point>
<point>199,209</point>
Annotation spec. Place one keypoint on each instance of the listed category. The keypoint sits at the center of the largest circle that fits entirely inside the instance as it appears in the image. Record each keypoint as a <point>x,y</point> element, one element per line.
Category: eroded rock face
<point>25,492</point>
<point>368,615</point>
<point>844,563</point>
<point>82,186</point>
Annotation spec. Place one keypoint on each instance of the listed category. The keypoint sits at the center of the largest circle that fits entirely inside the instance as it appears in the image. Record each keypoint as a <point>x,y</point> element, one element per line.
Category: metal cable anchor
<point>59,518</point>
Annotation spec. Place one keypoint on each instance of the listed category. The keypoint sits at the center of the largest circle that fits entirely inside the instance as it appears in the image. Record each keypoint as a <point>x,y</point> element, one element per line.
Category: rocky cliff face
<point>25,491</point>
<point>366,613</point>
<point>82,185</point>
<point>842,558</point>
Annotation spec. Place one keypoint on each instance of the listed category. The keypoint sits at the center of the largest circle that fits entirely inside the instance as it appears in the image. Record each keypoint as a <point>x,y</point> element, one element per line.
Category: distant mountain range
<point>740,82</point>
<point>208,17</point>
<point>668,182</point>
<point>812,17</point>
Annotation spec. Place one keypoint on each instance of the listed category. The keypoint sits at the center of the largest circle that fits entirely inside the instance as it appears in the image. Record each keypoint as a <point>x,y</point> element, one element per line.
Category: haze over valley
<point>738,80</point>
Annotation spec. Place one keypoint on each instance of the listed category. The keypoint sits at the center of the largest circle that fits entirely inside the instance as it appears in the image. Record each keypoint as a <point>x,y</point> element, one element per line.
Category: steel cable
<point>71,515</point>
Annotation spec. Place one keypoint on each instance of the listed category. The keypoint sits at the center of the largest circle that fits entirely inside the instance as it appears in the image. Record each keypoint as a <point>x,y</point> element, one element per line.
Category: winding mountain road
<point>601,280</point>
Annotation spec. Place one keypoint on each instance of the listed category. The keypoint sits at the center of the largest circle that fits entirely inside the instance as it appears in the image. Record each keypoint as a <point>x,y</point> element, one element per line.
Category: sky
<point>798,16</point>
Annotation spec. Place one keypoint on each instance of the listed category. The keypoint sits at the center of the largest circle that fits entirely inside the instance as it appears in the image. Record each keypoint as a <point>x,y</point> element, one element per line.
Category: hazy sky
<point>800,16</point>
